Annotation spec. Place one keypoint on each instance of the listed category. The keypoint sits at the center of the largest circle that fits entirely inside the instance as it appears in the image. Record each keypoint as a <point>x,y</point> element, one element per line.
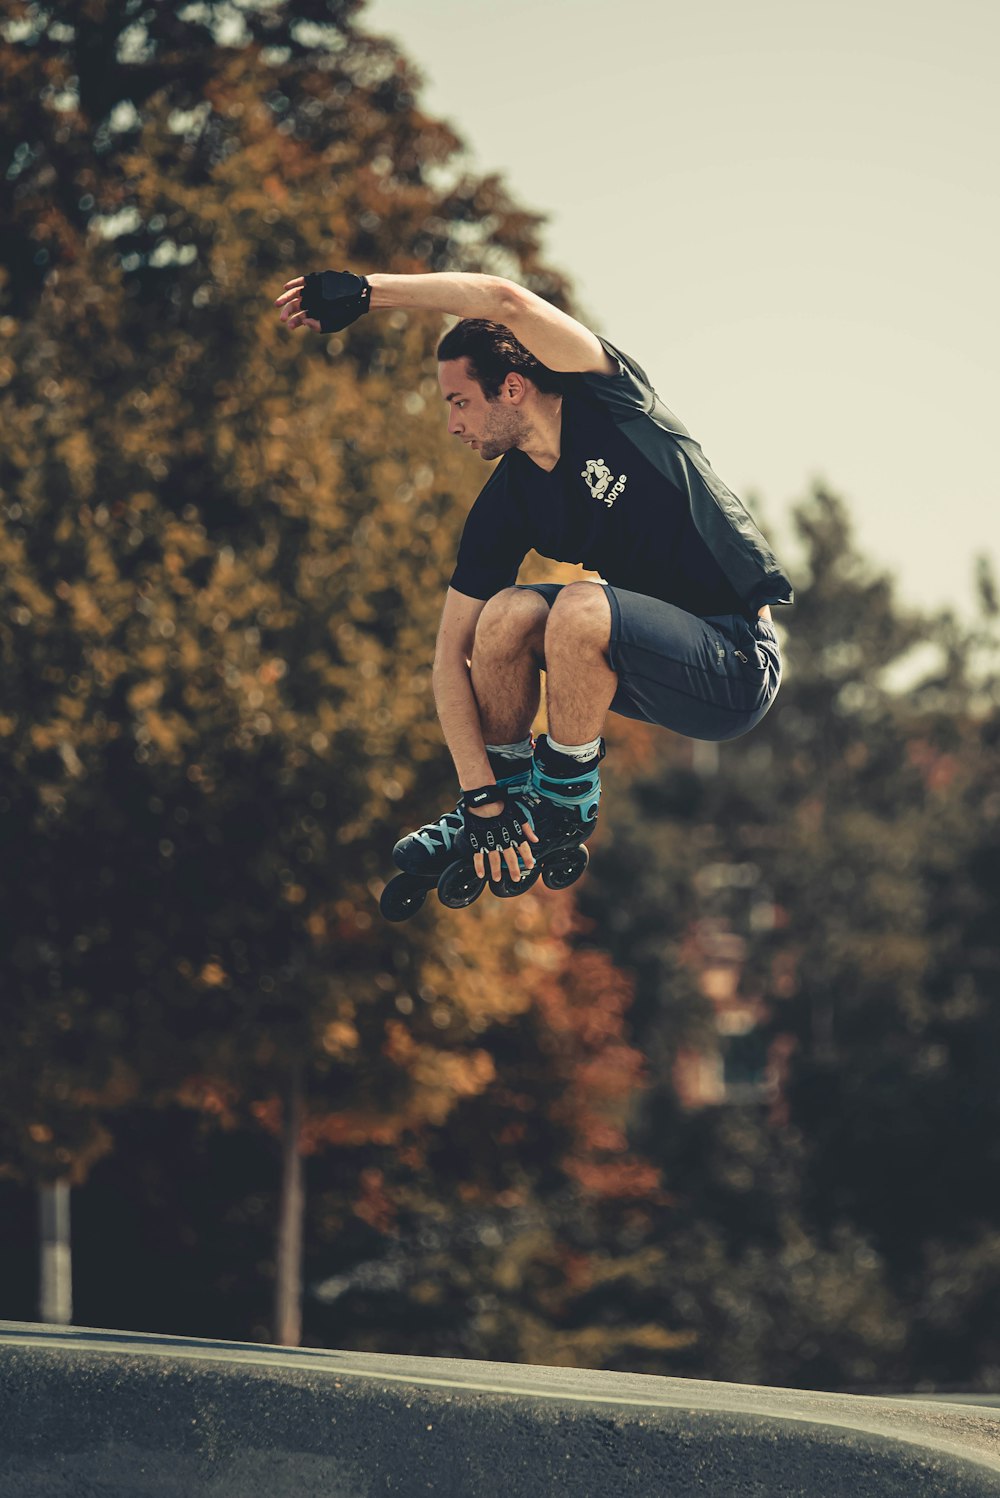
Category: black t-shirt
<point>608,505</point>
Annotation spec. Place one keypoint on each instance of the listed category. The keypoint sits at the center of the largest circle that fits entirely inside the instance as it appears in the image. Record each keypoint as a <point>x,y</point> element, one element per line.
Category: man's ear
<point>514,387</point>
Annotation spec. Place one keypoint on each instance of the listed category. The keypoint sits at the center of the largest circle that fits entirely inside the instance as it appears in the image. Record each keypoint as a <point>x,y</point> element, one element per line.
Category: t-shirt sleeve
<point>494,542</point>
<point>626,393</point>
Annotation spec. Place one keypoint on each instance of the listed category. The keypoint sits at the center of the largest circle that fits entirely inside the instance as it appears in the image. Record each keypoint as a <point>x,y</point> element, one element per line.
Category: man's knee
<point>511,618</point>
<point>580,614</point>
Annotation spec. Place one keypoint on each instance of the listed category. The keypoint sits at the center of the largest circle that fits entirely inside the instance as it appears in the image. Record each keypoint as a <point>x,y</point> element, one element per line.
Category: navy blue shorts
<point>709,678</point>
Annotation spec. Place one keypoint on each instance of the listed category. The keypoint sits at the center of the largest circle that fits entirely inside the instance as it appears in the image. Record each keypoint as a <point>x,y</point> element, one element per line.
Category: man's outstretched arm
<point>556,339</point>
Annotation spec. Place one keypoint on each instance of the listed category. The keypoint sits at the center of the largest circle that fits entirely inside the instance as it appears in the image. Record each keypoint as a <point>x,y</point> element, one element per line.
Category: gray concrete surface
<point>97,1414</point>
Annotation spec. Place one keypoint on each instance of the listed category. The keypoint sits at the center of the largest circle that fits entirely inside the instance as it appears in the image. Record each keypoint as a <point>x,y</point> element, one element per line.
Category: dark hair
<point>492,352</point>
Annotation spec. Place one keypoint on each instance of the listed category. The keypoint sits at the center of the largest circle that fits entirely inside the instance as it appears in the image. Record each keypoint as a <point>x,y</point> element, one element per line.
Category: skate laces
<point>440,835</point>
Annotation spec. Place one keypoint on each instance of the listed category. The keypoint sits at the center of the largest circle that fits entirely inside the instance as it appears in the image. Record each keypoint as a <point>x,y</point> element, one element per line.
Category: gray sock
<point>512,751</point>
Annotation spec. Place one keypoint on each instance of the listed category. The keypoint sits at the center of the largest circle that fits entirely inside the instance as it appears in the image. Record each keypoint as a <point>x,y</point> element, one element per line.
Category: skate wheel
<point>403,896</point>
<point>507,888</point>
<point>459,885</point>
<point>565,868</point>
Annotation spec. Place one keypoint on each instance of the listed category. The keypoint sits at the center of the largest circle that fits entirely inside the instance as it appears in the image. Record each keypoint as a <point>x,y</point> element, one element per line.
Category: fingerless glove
<point>491,834</point>
<point>335,298</point>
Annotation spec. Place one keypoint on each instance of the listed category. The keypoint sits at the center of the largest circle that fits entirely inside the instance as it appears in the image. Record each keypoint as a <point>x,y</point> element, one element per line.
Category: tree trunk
<point>55,1269</point>
<point>291,1212</point>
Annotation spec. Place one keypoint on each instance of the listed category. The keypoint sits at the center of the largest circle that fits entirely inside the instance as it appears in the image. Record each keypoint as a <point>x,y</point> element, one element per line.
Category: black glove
<point>335,298</point>
<point>491,834</point>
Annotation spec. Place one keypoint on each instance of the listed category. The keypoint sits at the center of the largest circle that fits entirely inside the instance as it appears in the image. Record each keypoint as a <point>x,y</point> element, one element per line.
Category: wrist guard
<point>335,298</point>
<point>491,834</point>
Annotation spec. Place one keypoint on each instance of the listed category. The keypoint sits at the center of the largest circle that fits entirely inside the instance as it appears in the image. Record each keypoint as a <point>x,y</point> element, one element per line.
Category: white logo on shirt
<point>599,480</point>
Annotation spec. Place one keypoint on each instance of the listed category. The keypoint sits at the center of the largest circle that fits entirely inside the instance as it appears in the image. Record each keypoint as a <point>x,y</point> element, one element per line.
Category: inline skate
<point>424,855</point>
<point>561,804</point>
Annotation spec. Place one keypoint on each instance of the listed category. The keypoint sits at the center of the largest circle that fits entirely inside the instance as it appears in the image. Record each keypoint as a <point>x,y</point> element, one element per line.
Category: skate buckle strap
<point>578,791</point>
<point>567,790</point>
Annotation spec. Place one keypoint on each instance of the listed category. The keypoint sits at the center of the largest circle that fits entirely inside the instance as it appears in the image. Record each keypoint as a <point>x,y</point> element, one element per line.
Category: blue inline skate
<point>424,855</point>
<point>561,805</point>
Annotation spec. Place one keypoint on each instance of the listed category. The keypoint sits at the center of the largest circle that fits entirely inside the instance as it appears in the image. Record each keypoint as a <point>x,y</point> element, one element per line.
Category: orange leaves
<point>583,1008</point>
<point>616,1180</point>
<point>268,1113</point>
<point>374,1205</point>
<point>213,975</point>
<point>145,695</point>
<point>272,671</point>
<point>591,998</point>
<point>399,1046</point>
<point>209,1096</point>
<point>340,1038</point>
<point>355,1128</point>
<point>439,1079</point>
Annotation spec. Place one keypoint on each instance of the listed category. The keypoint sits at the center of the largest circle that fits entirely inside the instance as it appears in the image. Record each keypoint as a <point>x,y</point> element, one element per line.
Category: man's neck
<point>543,442</point>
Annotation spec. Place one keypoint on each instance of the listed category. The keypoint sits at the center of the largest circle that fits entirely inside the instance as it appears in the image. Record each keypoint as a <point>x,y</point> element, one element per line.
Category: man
<point>594,469</point>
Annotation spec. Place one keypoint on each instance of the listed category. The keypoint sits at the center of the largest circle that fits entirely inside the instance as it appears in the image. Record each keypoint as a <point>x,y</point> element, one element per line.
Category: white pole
<point>55,1287</point>
<point>291,1212</point>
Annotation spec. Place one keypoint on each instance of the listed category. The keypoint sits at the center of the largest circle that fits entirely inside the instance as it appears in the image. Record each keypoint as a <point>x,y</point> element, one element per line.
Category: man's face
<point>490,427</point>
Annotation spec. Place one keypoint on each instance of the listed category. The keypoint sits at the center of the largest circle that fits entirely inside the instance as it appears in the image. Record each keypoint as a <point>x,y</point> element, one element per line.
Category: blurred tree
<point>467,1222</point>
<point>825,881</point>
<point>223,554</point>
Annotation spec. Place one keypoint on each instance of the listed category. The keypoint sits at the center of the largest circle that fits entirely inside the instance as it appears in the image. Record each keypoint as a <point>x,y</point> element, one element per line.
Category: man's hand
<point>495,831</point>
<point>325,301</point>
<point>290,302</point>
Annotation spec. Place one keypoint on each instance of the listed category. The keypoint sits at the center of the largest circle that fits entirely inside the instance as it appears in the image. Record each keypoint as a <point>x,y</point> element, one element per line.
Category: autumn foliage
<point>727,1107</point>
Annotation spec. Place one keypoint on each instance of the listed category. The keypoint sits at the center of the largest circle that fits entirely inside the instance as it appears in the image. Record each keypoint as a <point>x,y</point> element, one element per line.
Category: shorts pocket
<point>745,647</point>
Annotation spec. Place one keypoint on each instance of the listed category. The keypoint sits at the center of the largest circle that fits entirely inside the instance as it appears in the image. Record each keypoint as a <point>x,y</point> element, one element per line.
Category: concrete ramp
<point>97,1414</point>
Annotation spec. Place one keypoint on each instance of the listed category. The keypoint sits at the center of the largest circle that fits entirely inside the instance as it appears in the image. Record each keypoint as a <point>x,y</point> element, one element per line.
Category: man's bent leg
<point>507,658</point>
<point>580,683</point>
<point>565,773</point>
<point>706,678</point>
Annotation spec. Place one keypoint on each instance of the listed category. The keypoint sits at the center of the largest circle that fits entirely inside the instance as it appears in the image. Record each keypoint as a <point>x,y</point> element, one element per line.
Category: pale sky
<point>787,212</point>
